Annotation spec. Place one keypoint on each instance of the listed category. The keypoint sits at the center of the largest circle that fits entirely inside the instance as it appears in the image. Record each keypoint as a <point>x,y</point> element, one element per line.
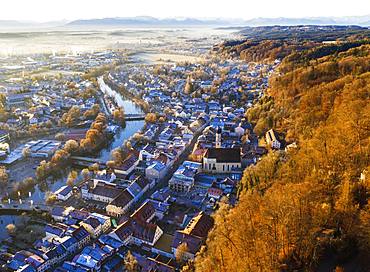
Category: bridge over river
<point>134,117</point>
<point>25,206</point>
<point>86,161</point>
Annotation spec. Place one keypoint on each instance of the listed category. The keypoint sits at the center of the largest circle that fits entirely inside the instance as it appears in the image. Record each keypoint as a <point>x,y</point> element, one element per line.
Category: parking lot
<point>22,169</point>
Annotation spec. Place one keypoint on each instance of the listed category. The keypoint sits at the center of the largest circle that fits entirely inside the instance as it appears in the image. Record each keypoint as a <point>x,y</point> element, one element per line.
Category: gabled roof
<point>122,199</point>
<point>193,243</point>
<point>69,241</point>
<point>158,166</point>
<point>106,190</point>
<point>142,181</point>
<point>145,211</point>
<point>79,214</point>
<point>92,221</point>
<point>128,162</point>
<point>163,158</point>
<point>107,240</point>
<point>137,225</point>
<point>64,190</point>
<point>80,233</point>
<point>124,230</point>
<point>134,189</point>
<point>224,155</point>
<point>199,225</point>
<point>95,252</point>
<point>142,230</point>
<point>195,232</point>
<point>55,230</point>
<point>35,260</point>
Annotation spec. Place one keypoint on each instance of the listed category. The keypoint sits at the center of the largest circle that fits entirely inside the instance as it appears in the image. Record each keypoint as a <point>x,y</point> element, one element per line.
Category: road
<point>26,206</point>
<point>164,181</point>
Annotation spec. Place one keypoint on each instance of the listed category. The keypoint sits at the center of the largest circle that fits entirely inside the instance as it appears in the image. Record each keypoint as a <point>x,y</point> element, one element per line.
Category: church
<point>221,160</point>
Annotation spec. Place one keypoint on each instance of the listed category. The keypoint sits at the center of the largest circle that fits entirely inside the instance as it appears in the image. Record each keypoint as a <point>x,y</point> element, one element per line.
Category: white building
<point>183,179</point>
<point>155,171</point>
<point>272,140</point>
<point>222,160</point>
<point>64,193</point>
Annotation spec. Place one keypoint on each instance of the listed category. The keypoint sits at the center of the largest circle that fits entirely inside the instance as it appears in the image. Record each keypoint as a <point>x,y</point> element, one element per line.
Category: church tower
<point>218,137</point>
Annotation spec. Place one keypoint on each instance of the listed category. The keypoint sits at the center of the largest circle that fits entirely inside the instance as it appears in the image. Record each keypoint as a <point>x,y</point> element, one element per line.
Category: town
<point>117,165</point>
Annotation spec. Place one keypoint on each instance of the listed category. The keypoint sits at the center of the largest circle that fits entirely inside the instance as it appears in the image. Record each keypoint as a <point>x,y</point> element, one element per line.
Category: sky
<point>55,10</point>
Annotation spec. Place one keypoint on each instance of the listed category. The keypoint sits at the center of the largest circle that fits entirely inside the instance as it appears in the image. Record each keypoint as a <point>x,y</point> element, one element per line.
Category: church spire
<point>218,137</point>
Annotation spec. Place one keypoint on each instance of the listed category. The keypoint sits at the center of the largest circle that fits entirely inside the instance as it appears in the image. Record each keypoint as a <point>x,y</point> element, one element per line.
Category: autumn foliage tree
<point>96,135</point>
<point>119,116</point>
<point>296,205</point>
<point>150,118</point>
<point>72,116</point>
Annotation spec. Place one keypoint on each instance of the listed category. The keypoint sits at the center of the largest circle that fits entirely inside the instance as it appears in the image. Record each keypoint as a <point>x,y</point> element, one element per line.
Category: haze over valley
<point>189,136</point>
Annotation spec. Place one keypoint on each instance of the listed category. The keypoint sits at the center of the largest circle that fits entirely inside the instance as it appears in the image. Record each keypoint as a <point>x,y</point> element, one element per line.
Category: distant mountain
<point>148,21</point>
<point>216,22</point>
<point>152,21</point>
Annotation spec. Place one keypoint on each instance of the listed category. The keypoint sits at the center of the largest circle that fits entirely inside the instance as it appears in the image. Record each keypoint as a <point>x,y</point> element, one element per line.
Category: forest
<point>306,208</point>
<point>267,43</point>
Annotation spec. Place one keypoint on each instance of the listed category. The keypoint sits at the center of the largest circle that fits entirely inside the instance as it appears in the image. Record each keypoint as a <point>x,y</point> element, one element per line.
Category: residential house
<point>38,263</point>
<point>120,205</point>
<point>183,178</point>
<point>128,165</point>
<point>101,191</point>
<point>82,236</point>
<point>155,171</point>
<point>61,213</point>
<point>57,230</point>
<point>272,140</point>
<point>64,193</point>
<point>93,226</point>
<point>194,234</point>
<point>138,228</point>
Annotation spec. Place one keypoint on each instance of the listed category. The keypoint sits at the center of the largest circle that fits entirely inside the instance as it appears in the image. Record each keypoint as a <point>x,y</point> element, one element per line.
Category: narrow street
<point>162,183</point>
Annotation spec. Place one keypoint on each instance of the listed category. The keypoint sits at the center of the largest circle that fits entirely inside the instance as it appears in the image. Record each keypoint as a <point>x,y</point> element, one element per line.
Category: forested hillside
<point>307,208</point>
<point>267,43</point>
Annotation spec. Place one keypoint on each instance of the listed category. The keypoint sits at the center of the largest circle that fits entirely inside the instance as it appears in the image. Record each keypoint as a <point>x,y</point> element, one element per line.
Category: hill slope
<point>303,208</point>
<point>266,43</point>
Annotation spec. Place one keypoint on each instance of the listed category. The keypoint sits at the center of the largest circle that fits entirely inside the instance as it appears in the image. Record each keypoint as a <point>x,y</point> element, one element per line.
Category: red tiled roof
<point>106,190</point>
<point>144,212</point>
<point>122,199</point>
<point>199,225</point>
<point>128,162</point>
<point>214,191</point>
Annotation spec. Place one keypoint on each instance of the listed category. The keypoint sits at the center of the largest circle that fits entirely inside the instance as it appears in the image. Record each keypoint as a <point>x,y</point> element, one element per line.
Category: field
<point>74,40</point>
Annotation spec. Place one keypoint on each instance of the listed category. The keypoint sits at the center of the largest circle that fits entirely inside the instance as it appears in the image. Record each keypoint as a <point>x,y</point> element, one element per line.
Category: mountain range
<point>222,22</point>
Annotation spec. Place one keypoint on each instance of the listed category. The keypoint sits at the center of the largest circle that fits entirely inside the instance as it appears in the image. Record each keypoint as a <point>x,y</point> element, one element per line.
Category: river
<point>9,219</point>
<point>131,126</point>
<point>105,154</point>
